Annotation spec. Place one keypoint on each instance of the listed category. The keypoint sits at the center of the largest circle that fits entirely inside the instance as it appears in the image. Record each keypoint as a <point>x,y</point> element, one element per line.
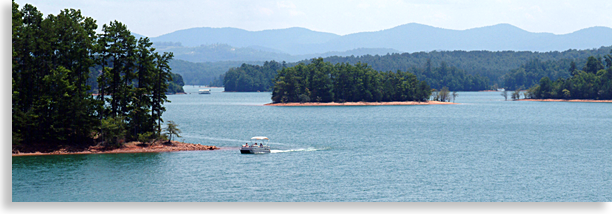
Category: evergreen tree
<point>593,65</point>
<point>53,59</point>
<point>322,82</point>
<point>160,85</point>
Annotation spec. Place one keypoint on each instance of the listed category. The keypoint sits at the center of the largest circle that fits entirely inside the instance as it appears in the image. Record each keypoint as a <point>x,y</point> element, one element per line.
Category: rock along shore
<point>131,147</point>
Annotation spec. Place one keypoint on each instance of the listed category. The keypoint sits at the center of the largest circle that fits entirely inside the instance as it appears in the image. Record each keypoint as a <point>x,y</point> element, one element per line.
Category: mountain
<point>410,37</point>
<point>224,52</point>
<point>281,39</point>
<point>416,37</point>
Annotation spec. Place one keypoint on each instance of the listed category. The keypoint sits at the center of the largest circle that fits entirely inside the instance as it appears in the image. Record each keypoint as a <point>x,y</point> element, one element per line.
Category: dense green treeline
<point>321,81</point>
<point>594,81</point>
<point>203,73</point>
<point>251,77</point>
<point>529,74</point>
<point>480,64</point>
<point>476,70</point>
<point>52,60</point>
<point>175,84</point>
<point>449,76</point>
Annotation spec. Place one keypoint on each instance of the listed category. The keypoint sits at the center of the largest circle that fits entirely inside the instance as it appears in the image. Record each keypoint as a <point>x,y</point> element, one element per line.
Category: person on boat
<point>255,144</point>
<point>247,145</point>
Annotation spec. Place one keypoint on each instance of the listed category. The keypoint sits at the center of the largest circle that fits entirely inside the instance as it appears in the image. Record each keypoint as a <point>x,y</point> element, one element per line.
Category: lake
<point>485,149</point>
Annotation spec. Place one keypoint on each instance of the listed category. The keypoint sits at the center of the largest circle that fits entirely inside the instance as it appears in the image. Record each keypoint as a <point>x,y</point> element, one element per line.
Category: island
<point>323,84</point>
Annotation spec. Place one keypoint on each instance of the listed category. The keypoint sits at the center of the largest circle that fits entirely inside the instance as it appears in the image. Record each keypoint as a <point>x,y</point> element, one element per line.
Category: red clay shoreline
<point>363,103</point>
<point>131,147</point>
<point>562,100</point>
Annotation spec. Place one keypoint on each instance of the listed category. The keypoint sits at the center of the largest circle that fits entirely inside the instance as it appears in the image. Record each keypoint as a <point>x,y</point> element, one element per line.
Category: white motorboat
<point>257,146</point>
<point>204,91</point>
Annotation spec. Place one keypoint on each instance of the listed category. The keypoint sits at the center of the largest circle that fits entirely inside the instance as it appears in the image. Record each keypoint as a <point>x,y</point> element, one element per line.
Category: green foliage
<point>323,82</point>
<point>528,74</point>
<point>202,73</point>
<point>582,85</point>
<point>113,131</point>
<point>480,65</point>
<point>50,67</point>
<point>457,70</point>
<point>443,95</point>
<point>593,65</point>
<point>56,60</point>
<point>172,130</point>
<point>147,137</point>
<point>516,94</point>
<point>251,77</point>
<point>217,82</point>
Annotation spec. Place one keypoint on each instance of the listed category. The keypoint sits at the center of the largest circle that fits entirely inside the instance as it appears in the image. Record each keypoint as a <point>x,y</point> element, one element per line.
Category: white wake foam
<point>297,150</point>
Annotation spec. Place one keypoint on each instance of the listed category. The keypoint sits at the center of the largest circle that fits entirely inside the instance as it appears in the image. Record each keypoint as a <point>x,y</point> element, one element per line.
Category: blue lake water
<point>485,149</point>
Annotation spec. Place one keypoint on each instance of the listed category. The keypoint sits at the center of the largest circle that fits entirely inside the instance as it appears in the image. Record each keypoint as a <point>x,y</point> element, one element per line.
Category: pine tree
<point>160,86</point>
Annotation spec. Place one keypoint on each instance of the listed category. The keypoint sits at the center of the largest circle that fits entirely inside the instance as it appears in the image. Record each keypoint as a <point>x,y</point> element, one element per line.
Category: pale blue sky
<point>157,17</point>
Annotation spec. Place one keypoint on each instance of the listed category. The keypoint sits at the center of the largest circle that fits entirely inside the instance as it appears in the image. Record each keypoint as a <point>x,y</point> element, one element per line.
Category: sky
<point>153,18</point>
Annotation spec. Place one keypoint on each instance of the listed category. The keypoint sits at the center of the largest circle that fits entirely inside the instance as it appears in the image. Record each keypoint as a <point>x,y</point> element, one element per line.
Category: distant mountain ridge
<point>410,37</point>
<point>224,52</point>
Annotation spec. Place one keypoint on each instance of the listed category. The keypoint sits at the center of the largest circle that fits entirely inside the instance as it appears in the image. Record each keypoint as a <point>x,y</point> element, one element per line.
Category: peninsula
<point>131,147</point>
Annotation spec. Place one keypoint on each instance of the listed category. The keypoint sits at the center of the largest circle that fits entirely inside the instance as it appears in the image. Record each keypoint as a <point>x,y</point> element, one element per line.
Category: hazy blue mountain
<point>416,37</point>
<point>281,39</point>
<point>224,52</point>
<point>411,37</point>
<point>138,36</point>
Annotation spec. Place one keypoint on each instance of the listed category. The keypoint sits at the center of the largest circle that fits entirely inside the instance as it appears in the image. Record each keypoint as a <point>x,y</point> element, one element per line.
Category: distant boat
<point>204,91</point>
<point>254,148</point>
<point>501,89</point>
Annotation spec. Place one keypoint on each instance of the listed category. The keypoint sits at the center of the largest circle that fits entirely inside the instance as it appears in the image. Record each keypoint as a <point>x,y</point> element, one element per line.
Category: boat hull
<point>254,150</point>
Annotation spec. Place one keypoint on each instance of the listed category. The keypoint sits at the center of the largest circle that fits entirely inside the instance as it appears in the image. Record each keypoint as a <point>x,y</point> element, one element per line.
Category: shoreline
<point>131,147</point>
<point>562,100</point>
<point>362,103</point>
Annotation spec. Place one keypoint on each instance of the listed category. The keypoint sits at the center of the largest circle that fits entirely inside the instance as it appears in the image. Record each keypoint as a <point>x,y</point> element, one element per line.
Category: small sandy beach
<point>362,103</point>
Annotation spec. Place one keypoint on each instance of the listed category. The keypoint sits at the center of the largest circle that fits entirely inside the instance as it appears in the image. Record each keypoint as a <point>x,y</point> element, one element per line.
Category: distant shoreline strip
<point>562,100</point>
<point>362,103</point>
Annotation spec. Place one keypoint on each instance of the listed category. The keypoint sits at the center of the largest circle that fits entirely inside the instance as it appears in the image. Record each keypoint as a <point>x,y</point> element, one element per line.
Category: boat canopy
<point>259,138</point>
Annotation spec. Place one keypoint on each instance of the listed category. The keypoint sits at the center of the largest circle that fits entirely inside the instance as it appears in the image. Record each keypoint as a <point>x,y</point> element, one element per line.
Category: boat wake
<point>298,150</point>
<point>218,139</point>
<point>273,144</point>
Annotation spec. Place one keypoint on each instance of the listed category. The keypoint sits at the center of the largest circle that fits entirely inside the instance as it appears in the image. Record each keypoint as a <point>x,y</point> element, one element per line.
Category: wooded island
<point>323,82</point>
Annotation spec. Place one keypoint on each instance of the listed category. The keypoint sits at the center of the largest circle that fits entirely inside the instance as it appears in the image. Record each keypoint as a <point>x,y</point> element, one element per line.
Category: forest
<point>203,73</point>
<point>594,81</point>
<point>251,77</point>
<point>471,70</point>
<point>490,64</point>
<point>53,59</point>
<point>321,81</point>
